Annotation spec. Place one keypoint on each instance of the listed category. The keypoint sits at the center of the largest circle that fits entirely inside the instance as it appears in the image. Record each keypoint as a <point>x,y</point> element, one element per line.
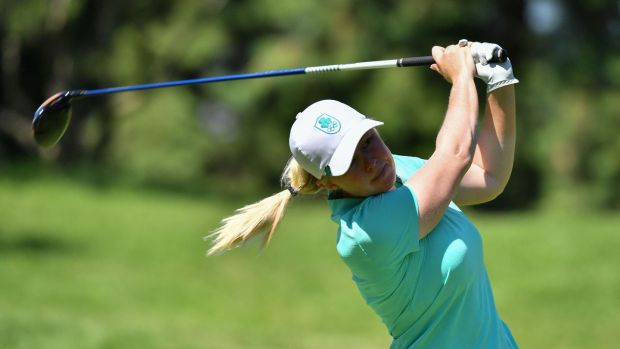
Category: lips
<point>381,173</point>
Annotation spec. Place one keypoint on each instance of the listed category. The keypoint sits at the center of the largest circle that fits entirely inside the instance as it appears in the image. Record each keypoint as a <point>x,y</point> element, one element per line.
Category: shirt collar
<point>340,206</point>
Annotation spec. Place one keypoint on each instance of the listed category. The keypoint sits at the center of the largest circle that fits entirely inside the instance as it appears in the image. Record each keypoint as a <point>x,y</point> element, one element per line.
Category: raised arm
<point>435,183</point>
<point>494,156</point>
<point>492,166</point>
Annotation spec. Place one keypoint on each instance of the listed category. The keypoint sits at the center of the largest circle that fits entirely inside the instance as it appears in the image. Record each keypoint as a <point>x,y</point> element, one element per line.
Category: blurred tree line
<point>233,137</point>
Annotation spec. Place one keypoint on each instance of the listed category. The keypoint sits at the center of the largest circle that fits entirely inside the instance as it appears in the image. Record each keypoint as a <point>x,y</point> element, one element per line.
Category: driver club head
<point>52,119</point>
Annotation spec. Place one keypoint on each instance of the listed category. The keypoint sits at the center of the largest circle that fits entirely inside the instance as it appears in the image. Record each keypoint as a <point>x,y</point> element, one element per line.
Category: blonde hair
<point>262,217</point>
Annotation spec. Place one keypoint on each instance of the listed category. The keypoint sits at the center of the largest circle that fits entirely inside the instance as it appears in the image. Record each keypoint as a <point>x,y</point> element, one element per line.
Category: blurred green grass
<point>89,267</point>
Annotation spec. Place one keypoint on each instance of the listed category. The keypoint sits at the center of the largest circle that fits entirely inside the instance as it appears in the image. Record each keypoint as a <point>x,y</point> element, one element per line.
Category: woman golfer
<point>415,257</point>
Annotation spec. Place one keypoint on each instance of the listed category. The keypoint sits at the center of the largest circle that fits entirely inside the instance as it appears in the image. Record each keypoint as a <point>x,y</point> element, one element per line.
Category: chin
<point>388,183</point>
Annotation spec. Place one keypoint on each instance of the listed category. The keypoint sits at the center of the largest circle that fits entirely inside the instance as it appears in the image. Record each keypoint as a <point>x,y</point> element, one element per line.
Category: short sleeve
<point>390,223</point>
<point>406,166</point>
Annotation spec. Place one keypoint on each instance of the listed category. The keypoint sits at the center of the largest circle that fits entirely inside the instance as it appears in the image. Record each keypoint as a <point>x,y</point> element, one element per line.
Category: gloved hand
<point>495,75</point>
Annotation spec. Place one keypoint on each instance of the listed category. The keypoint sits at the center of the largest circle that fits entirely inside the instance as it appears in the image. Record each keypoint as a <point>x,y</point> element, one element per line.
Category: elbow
<point>501,180</point>
<point>495,188</point>
<point>495,194</point>
<point>488,194</point>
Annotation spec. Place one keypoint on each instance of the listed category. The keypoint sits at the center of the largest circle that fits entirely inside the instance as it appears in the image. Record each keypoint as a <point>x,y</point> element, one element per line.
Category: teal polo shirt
<point>430,293</point>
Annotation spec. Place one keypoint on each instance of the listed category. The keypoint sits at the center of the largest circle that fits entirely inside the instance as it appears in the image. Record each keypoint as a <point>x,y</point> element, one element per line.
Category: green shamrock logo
<point>327,124</point>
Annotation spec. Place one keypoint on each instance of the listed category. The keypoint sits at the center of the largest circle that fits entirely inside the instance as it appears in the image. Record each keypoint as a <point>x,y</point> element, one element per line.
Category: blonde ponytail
<point>262,217</point>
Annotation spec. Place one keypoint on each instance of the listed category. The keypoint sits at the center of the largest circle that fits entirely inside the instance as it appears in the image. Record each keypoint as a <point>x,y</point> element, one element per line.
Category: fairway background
<point>90,267</point>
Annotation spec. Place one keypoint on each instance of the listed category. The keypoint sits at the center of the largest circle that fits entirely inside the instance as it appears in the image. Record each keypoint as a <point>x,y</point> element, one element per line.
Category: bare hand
<point>453,62</point>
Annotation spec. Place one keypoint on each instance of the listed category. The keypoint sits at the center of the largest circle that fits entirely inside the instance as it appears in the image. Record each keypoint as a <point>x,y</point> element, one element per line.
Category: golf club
<point>52,118</point>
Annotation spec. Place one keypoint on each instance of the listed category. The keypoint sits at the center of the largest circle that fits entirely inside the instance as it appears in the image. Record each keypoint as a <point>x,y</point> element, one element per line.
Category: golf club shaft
<point>52,118</point>
<point>391,63</point>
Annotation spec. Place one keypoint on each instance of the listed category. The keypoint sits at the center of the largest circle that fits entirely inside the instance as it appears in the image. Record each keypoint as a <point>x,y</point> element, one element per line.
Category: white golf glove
<point>495,75</point>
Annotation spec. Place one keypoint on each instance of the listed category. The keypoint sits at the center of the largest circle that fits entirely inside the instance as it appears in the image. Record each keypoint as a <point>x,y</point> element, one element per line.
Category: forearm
<point>496,140</point>
<point>435,184</point>
<point>493,159</point>
<point>457,136</point>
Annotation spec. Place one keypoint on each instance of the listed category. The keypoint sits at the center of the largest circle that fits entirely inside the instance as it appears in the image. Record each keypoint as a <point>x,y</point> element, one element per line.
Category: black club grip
<point>500,55</point>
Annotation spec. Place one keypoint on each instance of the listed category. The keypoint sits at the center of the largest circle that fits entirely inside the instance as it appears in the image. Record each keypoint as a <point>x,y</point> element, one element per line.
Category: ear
<point>325,183</point>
